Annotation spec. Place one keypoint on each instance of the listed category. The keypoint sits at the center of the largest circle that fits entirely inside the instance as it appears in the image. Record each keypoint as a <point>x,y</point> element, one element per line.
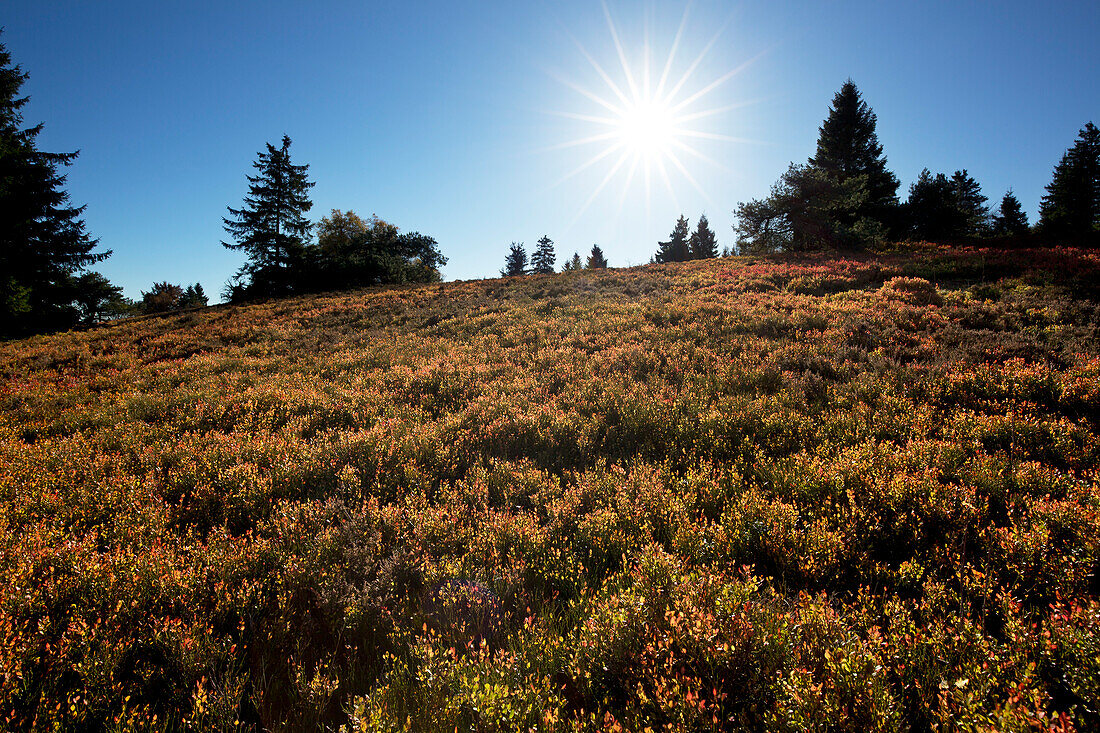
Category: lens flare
<point>644,122</point>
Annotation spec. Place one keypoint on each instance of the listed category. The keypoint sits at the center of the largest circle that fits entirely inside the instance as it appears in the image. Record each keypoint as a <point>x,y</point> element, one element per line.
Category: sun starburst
<point>645,124</point>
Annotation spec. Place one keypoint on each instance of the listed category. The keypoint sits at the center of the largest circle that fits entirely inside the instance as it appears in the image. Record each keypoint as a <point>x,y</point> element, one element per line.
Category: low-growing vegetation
<point>746,493</point>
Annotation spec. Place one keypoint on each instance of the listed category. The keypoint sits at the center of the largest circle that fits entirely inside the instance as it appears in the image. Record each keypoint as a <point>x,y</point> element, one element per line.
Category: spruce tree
<point>271,227</point>
<point>973,214</point>
<point>516,261</point>
<point>702,243</point>
<point>573,264</point>
<point>931,211</point>
<point>676,249</point>
<point>596,260</point>
<point>1071,206</point>
<point>1012,219</point>
<point>43,244</point>
<point>543,259</point>
<point>848,149</point>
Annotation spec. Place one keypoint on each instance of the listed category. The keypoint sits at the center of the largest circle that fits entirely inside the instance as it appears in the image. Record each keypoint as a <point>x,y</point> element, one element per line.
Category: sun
<point>645,120</point>
<point>648,128</point>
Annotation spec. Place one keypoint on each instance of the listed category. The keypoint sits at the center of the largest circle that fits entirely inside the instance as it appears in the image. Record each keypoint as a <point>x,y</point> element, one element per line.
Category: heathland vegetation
<point>784,492</point>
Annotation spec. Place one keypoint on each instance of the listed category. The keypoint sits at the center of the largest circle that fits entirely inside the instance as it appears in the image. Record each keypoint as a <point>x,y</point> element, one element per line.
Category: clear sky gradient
<point>445,117</point>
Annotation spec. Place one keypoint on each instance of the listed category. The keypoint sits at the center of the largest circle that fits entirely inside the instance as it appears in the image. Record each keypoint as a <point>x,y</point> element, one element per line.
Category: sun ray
<point>603,74</point>
<point>581,141</point>
<point>587,164</point>
<point>626,184</point>
<point>698,60</point>
<point>650,113</point>
<point>590,95</point>
<point>715,84</point>
<point>700,156</point>
<point>610,121</point>
<point>711,112</point>
<point>603,184</point>
<point>622,53</point>
<point>690,179</point>
<point>672,53</point>
<point>668,184</point>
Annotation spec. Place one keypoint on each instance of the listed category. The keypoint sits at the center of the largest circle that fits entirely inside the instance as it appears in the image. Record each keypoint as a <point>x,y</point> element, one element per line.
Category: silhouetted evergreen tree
<point>1071,206</point>
<point>848,149</point>
<point>193,297</point>
<point>970,203</point>
<point>574,263</point>
<point>43,244</point>
<point>543,259</point>
<point>932,210</point>
<point>1012,219</point>
<point>703,244</point>
<point>844,196</point>
<point>676,249</point>
<point>271,227</point>
<point>516,261</point>
<point>596,260</point>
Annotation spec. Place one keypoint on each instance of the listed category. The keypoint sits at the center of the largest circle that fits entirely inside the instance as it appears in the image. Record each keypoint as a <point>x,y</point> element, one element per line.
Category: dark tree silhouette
<point>97,299</point>
<point>160,298</point>
<point>271,227</point>
<point>676,249</point>
<point>43,244</point>
<point>596,260</point>
<point>844,196</point>
<point>544,259</point>
<point>193,297</point>
<point>848,148</point>
<point>932,210</point>
<point>703,244</point>
<point>1012,219</point>
<point>575,263</point>
<point>1071,206</point>
<point>970,204</point>
<point>516,261</point>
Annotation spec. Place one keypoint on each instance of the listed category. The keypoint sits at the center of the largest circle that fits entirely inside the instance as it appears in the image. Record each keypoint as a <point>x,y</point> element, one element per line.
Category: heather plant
<point>770,493</point>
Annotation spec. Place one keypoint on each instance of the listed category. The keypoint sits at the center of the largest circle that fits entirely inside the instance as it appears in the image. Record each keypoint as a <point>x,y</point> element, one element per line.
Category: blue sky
<point>446,118</point>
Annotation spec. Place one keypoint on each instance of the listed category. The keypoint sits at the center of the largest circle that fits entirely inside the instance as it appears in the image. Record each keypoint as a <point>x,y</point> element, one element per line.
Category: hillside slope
<point>741,493</point>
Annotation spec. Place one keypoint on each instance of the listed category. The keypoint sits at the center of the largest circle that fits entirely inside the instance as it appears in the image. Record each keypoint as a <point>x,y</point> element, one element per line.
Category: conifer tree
<point>43,244</point>
<point>574,263</point>
<point>271,227</point>
<point>596,260</point>
<point>1071,206</point>
<point>931,210</point>
<point>703,244</point>
<point>543,259</point>
<point>516,261</point>
<point>193,297</point>
<point>973,214</point>
<point>848,148</point>
<point>1012,219</point>
<point>676,249</point>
